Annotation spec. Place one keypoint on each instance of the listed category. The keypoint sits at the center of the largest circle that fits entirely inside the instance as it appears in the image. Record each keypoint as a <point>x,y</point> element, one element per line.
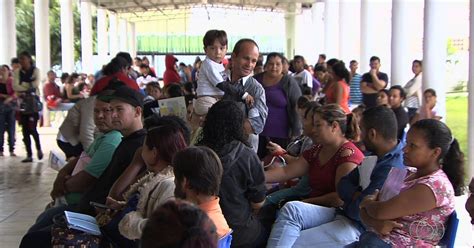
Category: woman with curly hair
<point>242,190</point>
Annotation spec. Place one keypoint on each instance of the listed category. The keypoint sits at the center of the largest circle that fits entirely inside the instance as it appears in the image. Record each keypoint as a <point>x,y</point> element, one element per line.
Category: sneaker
<point>40,154</point>
<point>27,160</point>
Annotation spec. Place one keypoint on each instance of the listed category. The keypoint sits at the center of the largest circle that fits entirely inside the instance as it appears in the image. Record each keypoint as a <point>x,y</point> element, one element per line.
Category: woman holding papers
<point>434,153</point>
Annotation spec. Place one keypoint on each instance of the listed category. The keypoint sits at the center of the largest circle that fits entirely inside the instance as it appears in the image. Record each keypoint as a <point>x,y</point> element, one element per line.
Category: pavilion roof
<point>158,6</point>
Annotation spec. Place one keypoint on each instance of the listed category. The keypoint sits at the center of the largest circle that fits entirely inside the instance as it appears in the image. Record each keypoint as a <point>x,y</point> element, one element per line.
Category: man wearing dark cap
<point>126,105</point>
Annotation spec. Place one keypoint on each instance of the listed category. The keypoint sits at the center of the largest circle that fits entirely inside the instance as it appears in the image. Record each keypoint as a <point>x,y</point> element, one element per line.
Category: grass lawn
<point>456,119</point>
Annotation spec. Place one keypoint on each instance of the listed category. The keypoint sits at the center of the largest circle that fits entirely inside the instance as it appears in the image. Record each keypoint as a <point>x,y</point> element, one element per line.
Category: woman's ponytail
<point>453,166</point>
<point>352,130</point>
<point>437,134</point>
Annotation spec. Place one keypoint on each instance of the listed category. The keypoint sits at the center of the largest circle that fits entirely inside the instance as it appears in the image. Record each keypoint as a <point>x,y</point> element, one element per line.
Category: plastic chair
<point>225,241</point>
<point>450,232</point>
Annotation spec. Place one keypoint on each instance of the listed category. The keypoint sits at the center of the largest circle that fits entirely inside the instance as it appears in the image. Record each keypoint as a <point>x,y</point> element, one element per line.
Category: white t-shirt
<point>303,77</point>
<point>210,74</point>
<point>414,92</point>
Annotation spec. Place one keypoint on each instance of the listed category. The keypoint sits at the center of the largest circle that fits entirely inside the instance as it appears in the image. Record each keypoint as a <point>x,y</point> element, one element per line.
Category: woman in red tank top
<point>333,156</point>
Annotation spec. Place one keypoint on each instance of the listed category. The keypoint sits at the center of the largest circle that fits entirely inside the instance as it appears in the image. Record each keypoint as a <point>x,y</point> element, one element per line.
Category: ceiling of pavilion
<point>135,6</point>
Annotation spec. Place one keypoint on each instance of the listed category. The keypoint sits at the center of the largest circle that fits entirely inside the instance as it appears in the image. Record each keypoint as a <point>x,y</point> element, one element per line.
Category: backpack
<point>30,103</point>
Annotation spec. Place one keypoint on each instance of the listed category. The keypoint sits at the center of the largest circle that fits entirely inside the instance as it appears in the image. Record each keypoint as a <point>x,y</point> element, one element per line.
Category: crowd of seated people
<point>274,159</point>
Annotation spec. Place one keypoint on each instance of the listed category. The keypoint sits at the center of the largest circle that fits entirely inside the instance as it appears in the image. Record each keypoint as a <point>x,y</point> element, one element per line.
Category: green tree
<point>55,31</point>
<point>25,29</point>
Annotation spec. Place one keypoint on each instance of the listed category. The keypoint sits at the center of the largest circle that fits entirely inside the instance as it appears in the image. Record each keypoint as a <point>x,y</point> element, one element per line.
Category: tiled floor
<point>24,192</point>
<point>24,189</point>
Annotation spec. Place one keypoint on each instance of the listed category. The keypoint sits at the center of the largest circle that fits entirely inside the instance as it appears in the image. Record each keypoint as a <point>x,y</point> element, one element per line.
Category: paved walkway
<point>25,187</point>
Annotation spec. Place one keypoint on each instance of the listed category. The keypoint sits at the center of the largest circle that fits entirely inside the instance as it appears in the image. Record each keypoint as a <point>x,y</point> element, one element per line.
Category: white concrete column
<point>67,36</point>
<point>113,34</point>
<point>133,39</point>
<point>7,31</point>
<point>42,46</point>
<point>290,30</point>
<point>123,36</point>
<point>434,52</point>
<point>368,27</point>
<point>129,38</point>
<point>349,30</point>
<point>375,33</point>
<point>331,28</point>
<point>42,37</point>
<point>86,37</point>
<point>102,38</point>
<point>305,41</point>
<point>470,87</point>
<point>401,58</point>
<point>317,29</point>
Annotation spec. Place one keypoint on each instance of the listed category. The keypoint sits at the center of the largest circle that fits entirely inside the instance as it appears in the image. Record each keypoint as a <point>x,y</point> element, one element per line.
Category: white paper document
<point>365,170</point>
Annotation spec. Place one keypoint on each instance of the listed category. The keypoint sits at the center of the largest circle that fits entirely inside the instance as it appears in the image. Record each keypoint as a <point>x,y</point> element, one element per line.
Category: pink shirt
<point>425,229</point>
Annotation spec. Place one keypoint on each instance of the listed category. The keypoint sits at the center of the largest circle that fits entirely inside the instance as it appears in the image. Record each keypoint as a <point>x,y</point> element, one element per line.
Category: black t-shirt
<point>122,157</point>
<point>243,182</point>
<point>402,120</point>
<point>370,100</point>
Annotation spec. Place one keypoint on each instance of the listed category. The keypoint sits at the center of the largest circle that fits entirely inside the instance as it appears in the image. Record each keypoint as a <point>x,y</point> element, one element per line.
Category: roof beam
<point>129,6</point>
<point>139,5</point>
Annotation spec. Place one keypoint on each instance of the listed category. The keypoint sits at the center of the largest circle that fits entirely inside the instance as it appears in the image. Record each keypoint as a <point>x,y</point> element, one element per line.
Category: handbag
<point>110,231</point>
<point>62,236</point>
<point>30,103</point>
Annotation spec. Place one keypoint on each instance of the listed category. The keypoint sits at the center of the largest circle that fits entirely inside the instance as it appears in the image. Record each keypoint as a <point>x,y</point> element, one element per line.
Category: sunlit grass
<point>456,108</point>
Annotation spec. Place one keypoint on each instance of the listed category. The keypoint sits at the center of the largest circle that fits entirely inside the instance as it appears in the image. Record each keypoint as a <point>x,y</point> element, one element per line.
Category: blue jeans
<point>306,225</point>
<point>7,123</point>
